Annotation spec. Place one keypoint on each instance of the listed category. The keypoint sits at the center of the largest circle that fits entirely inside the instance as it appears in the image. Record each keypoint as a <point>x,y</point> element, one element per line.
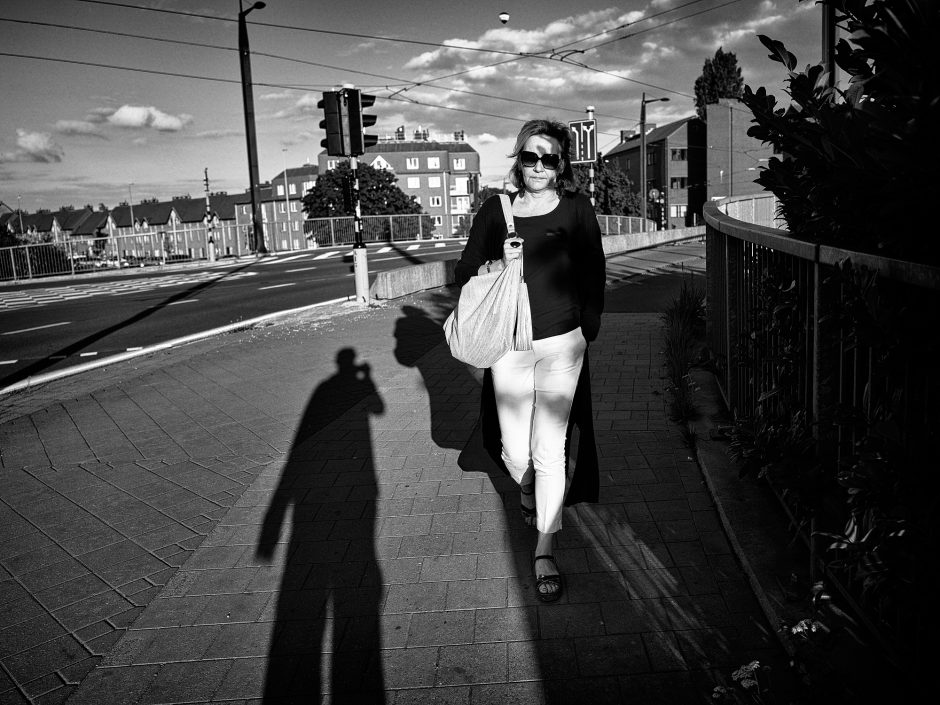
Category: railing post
<point>13,261</point>
<point>29,263</point>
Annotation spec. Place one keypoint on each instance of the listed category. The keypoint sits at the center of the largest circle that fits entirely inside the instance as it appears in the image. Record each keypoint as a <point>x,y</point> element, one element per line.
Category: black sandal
<point>528,513</point>
<point>541,581</point>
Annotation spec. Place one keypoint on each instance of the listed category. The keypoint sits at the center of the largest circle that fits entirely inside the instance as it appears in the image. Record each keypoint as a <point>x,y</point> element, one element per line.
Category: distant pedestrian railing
<point>158,246</point>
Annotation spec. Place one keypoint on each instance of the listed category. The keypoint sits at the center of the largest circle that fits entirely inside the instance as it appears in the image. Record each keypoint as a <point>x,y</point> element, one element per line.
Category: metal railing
<point>74,255</point>
<point>850,350</point>
<point>815,362</point>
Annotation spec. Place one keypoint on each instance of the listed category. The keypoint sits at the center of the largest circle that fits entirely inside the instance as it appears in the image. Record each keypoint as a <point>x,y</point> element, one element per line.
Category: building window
<point>292,189</point>
<point>460,186</point>
<point>280,189</point>
<point>294,206</point>
<point>244,210</point>
<point>434,201</point>
<point>296,226</point>
<point>331,163</point>
<point>434,182</point>
<point>460,204</point>
<point>460,163</point>
<point>678,211</point>
<point>679,182</point>
<point>417,199</point>
<point>438,220</point>
<point>308,185</point>
<point>283,207</point>
<point>414,182</point>
<point>678,155</point>
<point>283,227</point>
<point>411,163</point>
<point>434,162</point>
<point>650,158</point>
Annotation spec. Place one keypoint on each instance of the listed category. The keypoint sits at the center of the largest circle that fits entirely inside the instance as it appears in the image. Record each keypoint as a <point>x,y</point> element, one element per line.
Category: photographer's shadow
<point>329,598</point>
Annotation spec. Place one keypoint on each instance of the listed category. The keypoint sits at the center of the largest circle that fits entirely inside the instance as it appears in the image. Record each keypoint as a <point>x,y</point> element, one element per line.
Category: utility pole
<point>210,241</point>
<point>248,102</point>
<point>590,113</point>
<point>643,205</point>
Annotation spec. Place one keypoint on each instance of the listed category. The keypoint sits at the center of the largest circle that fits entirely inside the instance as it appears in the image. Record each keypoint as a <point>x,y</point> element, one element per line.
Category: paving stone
<point>115,686</point>
<point>471,663</point>
<point>441,628</point>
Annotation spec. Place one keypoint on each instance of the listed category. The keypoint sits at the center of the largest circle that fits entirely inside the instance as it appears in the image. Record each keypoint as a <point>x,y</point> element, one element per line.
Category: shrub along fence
<point>828,362</point>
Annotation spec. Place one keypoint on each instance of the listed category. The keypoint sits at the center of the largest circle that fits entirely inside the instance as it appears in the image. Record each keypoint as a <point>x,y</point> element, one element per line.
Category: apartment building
<point>441,173</point>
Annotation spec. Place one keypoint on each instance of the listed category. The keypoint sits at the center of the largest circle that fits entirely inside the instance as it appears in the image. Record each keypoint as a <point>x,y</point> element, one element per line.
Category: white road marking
<point>383,250</point>
<point>8,362</point>
<point>88,354</point>
<point>282,259</point>
<point>302,269</point>
<point>184,301</point>
<point>275,286</point>
<point>29,330</point>
<point>412,247</point>
<point>134,349</point>
<point>325,255</point>
<point>440,244</point>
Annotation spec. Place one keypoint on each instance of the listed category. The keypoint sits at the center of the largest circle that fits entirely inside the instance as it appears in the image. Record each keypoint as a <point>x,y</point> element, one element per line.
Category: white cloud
<point>217,134</point>
<point>139,116</point>
<point>79,127</point>
<point>36,147</point>
<point>485,138</point>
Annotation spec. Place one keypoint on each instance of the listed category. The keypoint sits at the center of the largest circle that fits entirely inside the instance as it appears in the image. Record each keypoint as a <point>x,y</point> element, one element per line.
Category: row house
<point>181,226</point>
<point>441,174</point>
<point>690,161</point>
<point>280,203</point>
<point>675,168</point>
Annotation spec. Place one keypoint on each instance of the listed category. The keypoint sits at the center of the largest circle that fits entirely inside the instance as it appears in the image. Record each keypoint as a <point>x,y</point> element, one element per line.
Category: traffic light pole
<point>360,258</point>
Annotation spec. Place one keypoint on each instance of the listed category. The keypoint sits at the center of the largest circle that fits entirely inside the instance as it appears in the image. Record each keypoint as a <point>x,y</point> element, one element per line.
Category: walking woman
<point>563,263</point>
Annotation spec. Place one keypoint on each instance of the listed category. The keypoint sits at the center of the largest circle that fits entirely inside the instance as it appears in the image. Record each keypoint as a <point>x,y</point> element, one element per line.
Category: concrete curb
<point>752,520</point>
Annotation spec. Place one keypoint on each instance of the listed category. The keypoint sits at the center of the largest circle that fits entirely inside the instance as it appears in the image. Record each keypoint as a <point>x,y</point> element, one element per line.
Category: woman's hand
<point>512,249</point>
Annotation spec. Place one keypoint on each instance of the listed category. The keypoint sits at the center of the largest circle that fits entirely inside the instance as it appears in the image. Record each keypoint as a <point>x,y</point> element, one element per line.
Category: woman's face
<point>539,178</point>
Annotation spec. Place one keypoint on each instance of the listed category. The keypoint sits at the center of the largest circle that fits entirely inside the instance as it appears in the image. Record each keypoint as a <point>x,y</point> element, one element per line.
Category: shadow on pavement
<point>330,593</point>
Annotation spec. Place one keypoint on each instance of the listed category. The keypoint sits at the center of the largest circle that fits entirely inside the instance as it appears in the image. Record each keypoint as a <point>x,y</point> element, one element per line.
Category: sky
<point>102,101</point>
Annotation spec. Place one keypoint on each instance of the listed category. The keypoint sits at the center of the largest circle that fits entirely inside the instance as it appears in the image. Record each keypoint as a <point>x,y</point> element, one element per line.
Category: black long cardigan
<point>485,243</point>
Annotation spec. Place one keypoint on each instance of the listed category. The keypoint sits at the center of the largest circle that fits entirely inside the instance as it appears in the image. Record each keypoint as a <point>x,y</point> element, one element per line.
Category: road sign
<point>583,141</point>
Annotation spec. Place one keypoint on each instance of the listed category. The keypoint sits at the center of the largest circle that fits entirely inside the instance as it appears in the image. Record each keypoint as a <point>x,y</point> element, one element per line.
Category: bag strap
<point>510,225</point>
<point>507,214</point>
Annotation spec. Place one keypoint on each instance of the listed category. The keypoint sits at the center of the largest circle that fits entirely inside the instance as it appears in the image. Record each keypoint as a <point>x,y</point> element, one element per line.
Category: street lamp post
<point>643,102</point>
<point>248,100</point>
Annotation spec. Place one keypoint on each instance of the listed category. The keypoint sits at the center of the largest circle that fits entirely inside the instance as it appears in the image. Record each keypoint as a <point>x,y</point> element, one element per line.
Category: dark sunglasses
<point>549,161</point>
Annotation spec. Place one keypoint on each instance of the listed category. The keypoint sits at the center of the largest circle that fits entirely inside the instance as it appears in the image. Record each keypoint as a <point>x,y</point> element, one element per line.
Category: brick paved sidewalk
<point>254,515</point>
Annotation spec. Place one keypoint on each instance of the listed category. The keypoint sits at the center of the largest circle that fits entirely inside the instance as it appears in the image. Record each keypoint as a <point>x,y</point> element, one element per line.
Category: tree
<point>721,78</point>
<point>482,195</point>
<point>613,190</point>
<point>854,161</point>
<point>378,194</point>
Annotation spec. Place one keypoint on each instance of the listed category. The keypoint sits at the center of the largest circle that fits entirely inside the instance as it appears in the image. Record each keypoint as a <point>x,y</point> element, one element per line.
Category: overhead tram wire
<point>515,55</point>
<point>404,83</point>
<point>273,25</point>
<point>236,81</point>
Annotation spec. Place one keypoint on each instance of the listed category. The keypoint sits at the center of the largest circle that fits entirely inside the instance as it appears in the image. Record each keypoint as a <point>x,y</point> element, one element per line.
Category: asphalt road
<point>46,326</point>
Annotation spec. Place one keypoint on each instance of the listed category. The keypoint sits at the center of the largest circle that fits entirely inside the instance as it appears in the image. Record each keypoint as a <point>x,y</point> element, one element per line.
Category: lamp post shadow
<point>326,633</point>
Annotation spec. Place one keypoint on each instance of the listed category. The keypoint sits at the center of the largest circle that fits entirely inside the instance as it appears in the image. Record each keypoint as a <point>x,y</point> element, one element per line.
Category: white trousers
<point>534,390</point>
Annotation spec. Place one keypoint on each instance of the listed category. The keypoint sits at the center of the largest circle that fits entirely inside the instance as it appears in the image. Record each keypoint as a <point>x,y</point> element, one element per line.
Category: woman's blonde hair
<point>564,177</point>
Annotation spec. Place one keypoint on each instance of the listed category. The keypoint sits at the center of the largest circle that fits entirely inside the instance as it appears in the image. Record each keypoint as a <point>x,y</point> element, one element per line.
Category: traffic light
<point>356,101</point>
<point>334,122</point>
